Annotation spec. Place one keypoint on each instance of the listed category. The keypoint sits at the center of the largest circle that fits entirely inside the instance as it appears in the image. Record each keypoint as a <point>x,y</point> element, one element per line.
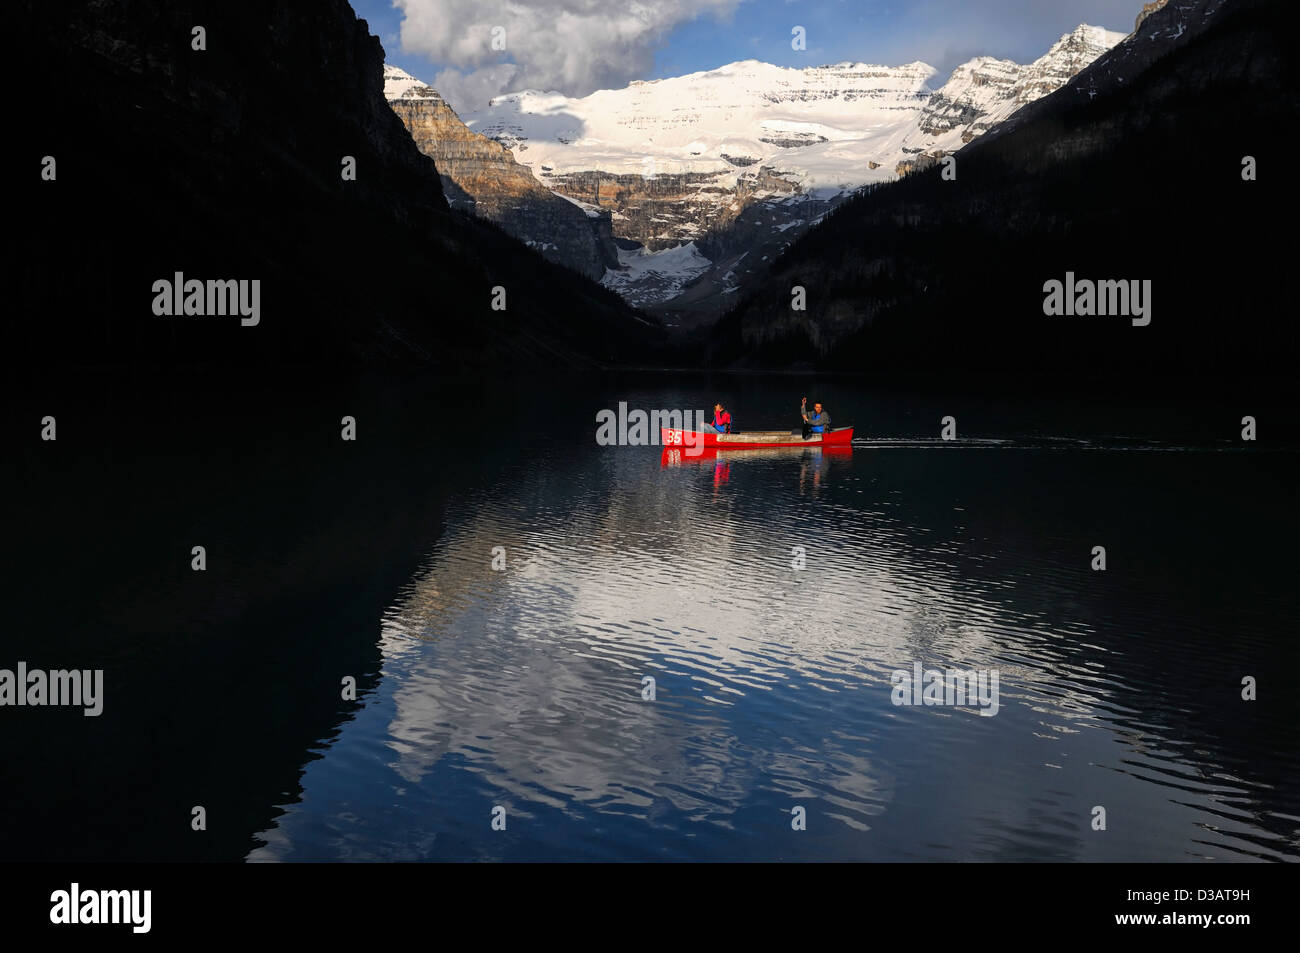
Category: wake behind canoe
<point>837,436</point>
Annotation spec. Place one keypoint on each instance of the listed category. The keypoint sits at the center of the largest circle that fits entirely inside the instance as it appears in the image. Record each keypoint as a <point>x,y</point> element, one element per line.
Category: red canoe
<point>695,440</point>
<point>679,456</point>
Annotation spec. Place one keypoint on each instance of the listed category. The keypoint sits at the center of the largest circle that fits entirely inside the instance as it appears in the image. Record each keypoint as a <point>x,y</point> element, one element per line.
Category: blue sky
<point>596,47</point>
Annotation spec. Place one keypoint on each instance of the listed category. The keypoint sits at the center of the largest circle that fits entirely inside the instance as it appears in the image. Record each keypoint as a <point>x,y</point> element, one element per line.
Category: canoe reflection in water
<point>813,460</point>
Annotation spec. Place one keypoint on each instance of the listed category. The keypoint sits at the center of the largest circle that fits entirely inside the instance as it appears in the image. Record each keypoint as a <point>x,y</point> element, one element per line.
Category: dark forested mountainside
<point>227,163</point>
<point>1133,177</point>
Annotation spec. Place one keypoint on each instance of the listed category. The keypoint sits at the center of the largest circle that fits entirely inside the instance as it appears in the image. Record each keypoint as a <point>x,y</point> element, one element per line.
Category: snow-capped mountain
<point>692,159</point>
<point>728,122</point>
<point>823,129</point>
<point>1161,27</point>
<point>984,91</point>
<point>718,171</point>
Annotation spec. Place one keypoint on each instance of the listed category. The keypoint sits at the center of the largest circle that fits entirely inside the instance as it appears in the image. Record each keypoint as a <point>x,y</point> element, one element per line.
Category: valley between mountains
<point>676,193</point>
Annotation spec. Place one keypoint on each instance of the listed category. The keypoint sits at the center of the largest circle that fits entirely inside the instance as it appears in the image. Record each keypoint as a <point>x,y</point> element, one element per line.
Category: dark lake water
<point>522,688</point>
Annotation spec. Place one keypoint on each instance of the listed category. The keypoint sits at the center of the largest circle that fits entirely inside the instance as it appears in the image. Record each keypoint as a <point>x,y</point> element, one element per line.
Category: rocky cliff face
<point>1068,55</point>
<point>665,210</point>
<point>966,98</point>
<point>480,176</point>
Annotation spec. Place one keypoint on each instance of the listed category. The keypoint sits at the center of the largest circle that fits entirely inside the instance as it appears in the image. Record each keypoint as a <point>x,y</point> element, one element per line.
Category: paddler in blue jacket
<point>817,422</point>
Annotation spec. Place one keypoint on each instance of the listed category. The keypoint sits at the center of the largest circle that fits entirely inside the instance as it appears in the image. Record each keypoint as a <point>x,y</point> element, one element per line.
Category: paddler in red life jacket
<point>721,419</point>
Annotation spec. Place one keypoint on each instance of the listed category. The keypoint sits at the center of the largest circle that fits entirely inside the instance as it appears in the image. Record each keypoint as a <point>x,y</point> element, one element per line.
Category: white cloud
<point>466,91</point>
<point>571,46</point>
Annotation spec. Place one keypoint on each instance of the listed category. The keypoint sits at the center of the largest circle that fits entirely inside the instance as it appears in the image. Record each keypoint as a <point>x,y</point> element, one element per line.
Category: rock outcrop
<point>1146,11</point>
<point>480,176</point>
<point>660,211</point>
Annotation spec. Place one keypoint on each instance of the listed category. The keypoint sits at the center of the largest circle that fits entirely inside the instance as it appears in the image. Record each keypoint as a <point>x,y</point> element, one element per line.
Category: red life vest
<point>722,421</point>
